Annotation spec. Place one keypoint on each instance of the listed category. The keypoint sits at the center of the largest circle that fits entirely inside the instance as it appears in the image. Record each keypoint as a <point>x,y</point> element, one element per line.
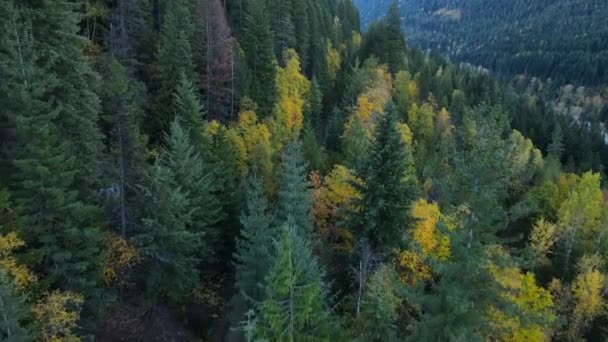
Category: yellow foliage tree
<point>19,273</point>
<point>334,61</point>
<point>293,89</point>
<point>252,141</point>
<point>421,121</point>
<point>432,243</point>
<point>542,239</point>
<point>373,99</point>
<point>411,268</point>
<point>533,316</point>
<point>406,133</point>
<point>333,197</point>
<point>588,295</point>
<point>121,256</point>
<point>57,316</point>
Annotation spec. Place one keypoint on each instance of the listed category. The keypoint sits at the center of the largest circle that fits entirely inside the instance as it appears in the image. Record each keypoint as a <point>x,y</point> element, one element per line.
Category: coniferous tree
<point>301,30</point>
<point>214,192</point>
<point>13,311</point>
<point>60,47</point>
<point>395,49</point>
<point>295,307</point>
<point>122,116</point>
<point>170,240</point>
<point>389,186</point>
<point>311,149</point>
<point>258,47</point>
<point>314,107</point>
<point>173,59</point>
<point>376,321</point>
<point>455,309</point>
<point>283,26</point>
<point>355,143</point>
<point>188,171</point>
<point>294,198</point>
<point>188,108</point>
<point>61,231</point>
<point>254,251</point>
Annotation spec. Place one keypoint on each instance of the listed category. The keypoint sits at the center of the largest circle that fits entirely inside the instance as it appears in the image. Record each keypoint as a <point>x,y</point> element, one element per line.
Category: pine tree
<point>455,309</point>
<point>173,59</point>
<point>191,113</point>
<point>188,172</point>
<point>258,46</point>
<point>294,198</point>
<point>335,128</point>
<point>311,149</point>
<point>254,251</point>
<point>355,143</point>
<point>55,29</point>
<point>389,186</point>
<point>314,107</point>
<point>169,249</point>
<point>122,115</point>
<point>12,312</point>
<point>302,30</point>
<point>556,147</point>
<point>295,307</point>
<point>283,27</point>
<point>61,231</point>
<point>376,321</point>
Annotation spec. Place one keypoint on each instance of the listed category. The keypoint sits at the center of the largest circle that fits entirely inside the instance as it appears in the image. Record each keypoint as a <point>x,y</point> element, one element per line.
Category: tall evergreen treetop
<point>389,186</point>
<point>254,251</point>
<point>295,307</point>
<point>294,199</point>
<point>258,46</point>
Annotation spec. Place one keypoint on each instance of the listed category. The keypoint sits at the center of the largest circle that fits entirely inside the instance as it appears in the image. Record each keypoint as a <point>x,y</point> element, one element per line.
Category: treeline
<point>259,170</point>
<point>564,40</point>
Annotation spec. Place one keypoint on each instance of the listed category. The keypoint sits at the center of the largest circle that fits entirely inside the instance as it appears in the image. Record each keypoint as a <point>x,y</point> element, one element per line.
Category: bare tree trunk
<point>360,290</point>
<point>232,84</point>
<point>9,333</point>
<point>123,216</point>
<point>208,57</point>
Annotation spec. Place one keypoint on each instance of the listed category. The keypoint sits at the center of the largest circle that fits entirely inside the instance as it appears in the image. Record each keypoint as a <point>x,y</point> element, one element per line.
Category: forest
<point>266,170</point>
<point>564,40</point>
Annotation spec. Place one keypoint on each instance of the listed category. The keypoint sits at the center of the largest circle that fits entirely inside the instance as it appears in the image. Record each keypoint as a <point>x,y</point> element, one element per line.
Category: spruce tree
<point>389,186</point>
<point>169,249</point>
<point>395,49</point>
<point>60,230</point>
<point>295,307</point>
<point>187,170</point>
<point>173,59</point>
<point>376,321</point>
<point>314,107</point>
<point>294,197</point>
<point>258,47</point>
<point>216,182</point>
<point>302,30</point>
<point>254,250</point>
<point>188,108</point>
<point>13,311</point>
<point>283,27</point>
<point>126,164</point>
<point>312,150</point>
<point>355,143</point>
<point>55,29</point>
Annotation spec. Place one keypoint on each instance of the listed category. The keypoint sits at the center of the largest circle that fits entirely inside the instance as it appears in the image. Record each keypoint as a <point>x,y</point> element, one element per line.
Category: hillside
<point>566,40</point>
<point>263,170</point>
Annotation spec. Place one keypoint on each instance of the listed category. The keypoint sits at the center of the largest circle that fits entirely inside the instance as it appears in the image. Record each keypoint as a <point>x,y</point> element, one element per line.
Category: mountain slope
<point>566,40</point>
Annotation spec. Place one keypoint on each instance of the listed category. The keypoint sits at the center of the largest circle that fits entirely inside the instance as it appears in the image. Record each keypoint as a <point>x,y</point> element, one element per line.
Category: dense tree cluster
<point>259,170</point>
<point>564,40</point>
